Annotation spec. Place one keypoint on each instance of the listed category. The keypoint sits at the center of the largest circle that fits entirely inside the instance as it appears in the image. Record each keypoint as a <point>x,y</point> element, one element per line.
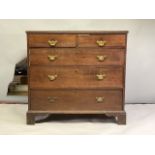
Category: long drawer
<point>53,77</point>
<point>77,56</point>
<point>75,100</point>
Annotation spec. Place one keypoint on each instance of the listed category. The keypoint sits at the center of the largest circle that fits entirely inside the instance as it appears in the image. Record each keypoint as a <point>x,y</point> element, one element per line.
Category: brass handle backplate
<point>52,77</point>
<point>51,99</point>
<point>101,57</point>
<point>52,42</point>
<point>52,57</point>
<point>100,76</point>
<point>100,99</point>
<point>101,42</point>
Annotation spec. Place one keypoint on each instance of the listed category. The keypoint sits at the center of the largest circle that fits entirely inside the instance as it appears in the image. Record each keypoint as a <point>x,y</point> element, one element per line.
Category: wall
<point>140,75</point>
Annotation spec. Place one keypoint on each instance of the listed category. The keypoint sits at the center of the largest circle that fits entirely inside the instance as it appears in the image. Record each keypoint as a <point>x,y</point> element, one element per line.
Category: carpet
<point>140,120</point>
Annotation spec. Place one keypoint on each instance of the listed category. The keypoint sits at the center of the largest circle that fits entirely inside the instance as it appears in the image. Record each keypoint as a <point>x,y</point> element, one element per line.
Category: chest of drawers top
<point>106,39</point>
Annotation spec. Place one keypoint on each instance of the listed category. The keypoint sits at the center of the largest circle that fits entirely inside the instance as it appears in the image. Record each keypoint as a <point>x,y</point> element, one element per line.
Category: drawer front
<point>103,40</point>
<point>75,77</point>
<point>51,40</point>
<point>81,56</point>
<point>76,100</point>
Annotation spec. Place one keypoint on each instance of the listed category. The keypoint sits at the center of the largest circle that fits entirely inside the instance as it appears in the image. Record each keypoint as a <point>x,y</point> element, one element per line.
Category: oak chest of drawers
<point>76,73</point>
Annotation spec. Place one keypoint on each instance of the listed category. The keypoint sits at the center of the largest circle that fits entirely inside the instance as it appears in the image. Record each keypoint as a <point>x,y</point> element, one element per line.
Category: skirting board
<point>11,102</point>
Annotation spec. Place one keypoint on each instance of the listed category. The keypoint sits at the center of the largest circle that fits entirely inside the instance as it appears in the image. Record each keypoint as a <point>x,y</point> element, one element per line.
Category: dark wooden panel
<point>41,40</point>
<point>112,40</point>
<point>75,100</point>
<point>75,77</point>
<point>77,56</point>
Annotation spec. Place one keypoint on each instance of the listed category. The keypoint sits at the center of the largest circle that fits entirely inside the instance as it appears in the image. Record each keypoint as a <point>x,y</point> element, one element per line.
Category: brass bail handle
<point>52,42</point>
<point>52,99</point>
<point>101,43</point>
<point>101,76</point>
<point>101,57</point>
<point>52,57</point>
<point>100,99</point>
<point>52,77</point>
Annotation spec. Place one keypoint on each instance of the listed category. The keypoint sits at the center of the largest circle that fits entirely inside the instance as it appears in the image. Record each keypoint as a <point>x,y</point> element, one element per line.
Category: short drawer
<point>77,56</point>
<point>51,77</point>
<point>51,40</point>
<point>76,100</point>
<point>102,40</point>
